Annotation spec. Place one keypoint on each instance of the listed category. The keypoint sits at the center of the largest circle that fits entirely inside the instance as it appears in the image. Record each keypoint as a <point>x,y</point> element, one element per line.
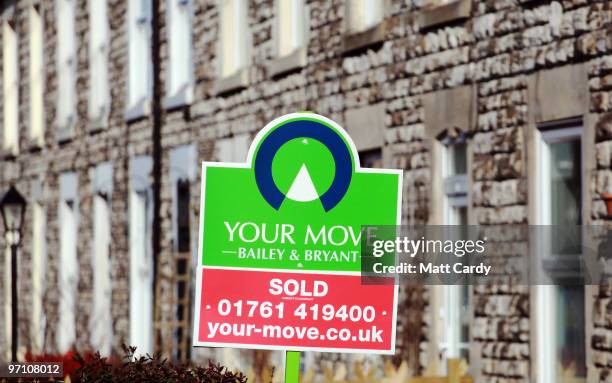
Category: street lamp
<point>12,208</point>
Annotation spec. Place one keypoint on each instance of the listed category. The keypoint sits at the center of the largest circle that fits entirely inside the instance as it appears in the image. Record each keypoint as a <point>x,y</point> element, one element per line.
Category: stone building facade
<point>401,80</point>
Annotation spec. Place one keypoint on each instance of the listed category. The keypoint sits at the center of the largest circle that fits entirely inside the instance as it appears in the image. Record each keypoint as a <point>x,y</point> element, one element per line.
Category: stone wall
<point>80,154</point>
<point>494,51</point>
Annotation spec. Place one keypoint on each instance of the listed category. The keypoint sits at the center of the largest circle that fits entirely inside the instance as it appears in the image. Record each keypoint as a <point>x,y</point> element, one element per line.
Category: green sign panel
<point>242,230</point>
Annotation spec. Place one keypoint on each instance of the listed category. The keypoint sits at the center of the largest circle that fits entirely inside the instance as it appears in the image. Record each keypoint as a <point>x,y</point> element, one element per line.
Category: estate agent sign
<point>279,253</point>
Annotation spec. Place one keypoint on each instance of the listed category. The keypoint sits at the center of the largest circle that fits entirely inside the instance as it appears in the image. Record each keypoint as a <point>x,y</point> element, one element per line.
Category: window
<point>561,353</point>
<point>11,85</point>
<point>455,309</point>
<point>180,60</point>
<point>291,24</point>
<point>233,149</point>
<point>37,76</point>
<point>39,267</point>
<point>139,65</point>
<point>364,14</point>
<point>99,93</point>
<point>66,66</point>
<point>141,273</point>
<point>371,158</point>
<point>101,319</point>
<point>234,48</point>
<point>183,218</point>
<point>69,274</point>
<point>8,318</point>
<point>455,181</point>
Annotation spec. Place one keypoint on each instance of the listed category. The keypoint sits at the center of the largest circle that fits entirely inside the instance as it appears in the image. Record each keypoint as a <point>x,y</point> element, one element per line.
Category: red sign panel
<point>291,310</point>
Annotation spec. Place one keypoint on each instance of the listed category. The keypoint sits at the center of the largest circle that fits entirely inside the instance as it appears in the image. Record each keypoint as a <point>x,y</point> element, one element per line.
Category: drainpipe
<point>157,155</point>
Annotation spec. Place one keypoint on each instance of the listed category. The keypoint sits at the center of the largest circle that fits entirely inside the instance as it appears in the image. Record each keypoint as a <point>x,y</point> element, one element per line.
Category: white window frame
<point>179,72</point>
<point>141,272</point>
<point>37,75</point>
<point>101,323</point>
<point>233,149</point>
<point>455,195</point>
<point>362,15</point>
<point>6,273</point>
<point>290,34</point>
<point>98,107</point>
<point>454,186</point>
<point>66,66</point>
<point>240,47</point>
<point>544,297</point>
<point>69,274</point>
<point>39,267</point>
<point>140,67</point>
<point>10,47</point>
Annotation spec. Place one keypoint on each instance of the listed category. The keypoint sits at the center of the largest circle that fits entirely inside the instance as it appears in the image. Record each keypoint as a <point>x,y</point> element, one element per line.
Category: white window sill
<point>363,39</point>
<point>232,83</point>
<point>291,62</point>
<point>184,97</point>
<point>137,111</point>
<point>65,129</point>
<point>445,13</point>
<point>9,152</point>
<point>36,142</point>
<point>98,123</point>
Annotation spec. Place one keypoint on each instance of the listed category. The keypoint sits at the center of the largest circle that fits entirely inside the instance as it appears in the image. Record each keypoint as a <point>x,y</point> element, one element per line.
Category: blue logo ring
<point>303,129</point>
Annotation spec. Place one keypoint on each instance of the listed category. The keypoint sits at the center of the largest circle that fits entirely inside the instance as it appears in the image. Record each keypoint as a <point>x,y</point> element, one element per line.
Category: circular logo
<point>302,189</point>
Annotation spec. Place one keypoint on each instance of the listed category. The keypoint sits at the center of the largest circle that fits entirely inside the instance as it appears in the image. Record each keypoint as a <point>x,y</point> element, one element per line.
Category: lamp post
<point>12,208</point>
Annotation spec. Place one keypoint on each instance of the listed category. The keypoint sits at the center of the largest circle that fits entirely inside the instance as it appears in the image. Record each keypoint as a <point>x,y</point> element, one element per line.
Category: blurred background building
<point>498,111</point>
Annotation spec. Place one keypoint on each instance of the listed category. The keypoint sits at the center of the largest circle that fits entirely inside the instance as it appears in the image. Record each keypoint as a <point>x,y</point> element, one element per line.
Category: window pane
<point>183,216</point>
<point>571,355</point>
<point>66,62</point>
<point>355,15</point>
<point>38,275</point>
<point>459,216</point>
<point>98,55</point>
<point>565,199</point>
<point>139,76</point>
<point>290,32</point>
<point>464,333</point>
<point>373,12</point>
<point>566,183</point>
<point>101,320</point>
<point>11,87</point>
<point>69,276</point>
<point>285,22</point>
<point>363,14</point>
<point>457,156</point>
<point>228,37</point>
<point>141,275</point>
<point>179,40</point>
<point>36,75</point>
<point>371,158</point>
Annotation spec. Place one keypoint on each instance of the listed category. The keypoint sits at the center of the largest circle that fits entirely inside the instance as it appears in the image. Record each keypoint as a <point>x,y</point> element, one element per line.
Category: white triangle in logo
<point>302,189</point>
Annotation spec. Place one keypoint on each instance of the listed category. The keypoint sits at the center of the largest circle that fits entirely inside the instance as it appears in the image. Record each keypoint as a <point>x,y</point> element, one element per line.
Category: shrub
<point>68,360</point>
<point>149,369</point>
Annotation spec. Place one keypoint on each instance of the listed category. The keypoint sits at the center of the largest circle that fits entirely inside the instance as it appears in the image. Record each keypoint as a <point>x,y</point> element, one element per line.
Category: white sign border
<point>247,165</point>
